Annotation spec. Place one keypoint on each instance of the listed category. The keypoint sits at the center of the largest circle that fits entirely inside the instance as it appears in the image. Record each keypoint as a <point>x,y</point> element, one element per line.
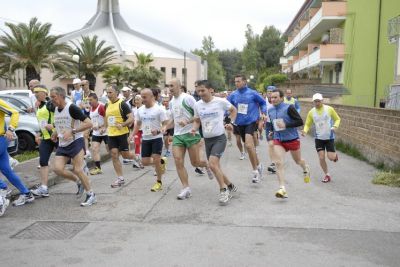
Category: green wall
<point>361,35</point>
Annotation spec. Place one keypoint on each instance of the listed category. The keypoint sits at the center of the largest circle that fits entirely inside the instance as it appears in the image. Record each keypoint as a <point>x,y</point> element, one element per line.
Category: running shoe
<point>281,193</point>
<point>127,161</point>
<point>4,202</point>
<point>95,171</point>
<point>306,174</point>
<point>210,174</point>
<point>156,187</point>
<point>118,183</point>
<point>327,179</point>
<point>90,200</point>
<point>40,191</point>
<point>256,177</point>
<point>272,168</point>
<point>163,164</point>
<point>79,193</point>
<point>224,196</point>
<point>167,153</point>
<point>242,156</point>
<point>23,199</point>
<point>229,143</point>
<point>199,171</point>
<point>137,165</point>
<point>184,193</point>
<point>232,188</point>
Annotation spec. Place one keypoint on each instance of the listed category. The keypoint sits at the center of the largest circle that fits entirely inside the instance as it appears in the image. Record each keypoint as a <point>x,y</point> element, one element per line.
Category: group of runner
<point>148,122</point>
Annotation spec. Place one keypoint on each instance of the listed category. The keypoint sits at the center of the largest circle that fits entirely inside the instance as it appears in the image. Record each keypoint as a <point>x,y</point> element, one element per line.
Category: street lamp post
<point>77,59</point>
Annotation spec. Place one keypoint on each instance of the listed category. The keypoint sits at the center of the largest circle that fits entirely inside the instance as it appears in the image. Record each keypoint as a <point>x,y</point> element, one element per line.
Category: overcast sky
<point>177,22</point>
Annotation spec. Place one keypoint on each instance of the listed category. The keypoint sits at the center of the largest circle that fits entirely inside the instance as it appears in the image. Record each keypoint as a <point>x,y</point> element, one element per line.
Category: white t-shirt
<point>182,109</point>
<point>152,119</point>
<point>211,115</point>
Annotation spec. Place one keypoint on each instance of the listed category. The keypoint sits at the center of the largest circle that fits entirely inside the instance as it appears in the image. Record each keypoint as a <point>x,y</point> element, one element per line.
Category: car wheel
<point>26,142</point>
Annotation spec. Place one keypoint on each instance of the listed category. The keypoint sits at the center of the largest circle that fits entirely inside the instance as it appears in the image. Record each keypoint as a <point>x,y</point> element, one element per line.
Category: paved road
<point>349,222</point>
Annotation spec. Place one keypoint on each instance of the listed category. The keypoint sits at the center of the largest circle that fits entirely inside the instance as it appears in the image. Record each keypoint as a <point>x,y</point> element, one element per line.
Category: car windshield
<point>16,108</point>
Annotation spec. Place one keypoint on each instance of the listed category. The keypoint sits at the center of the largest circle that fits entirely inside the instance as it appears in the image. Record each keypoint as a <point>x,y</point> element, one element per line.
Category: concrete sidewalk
<point>348,222</point>
<point>30,174</point>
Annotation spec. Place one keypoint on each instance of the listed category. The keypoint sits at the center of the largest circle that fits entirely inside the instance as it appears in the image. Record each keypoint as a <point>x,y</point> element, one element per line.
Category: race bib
<point>43,124</point>
<point>276,126</point>
<point>146,130</point>
<point>323,128</point>
<point>208,127</point>
<point>242,108</point>
<point>111,121</point>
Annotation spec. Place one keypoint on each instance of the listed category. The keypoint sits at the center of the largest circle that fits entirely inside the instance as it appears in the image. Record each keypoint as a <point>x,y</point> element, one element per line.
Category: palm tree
<point>94,57</point>
<point>143,74</point>
<point>32,48</point>
<point>117,74</point>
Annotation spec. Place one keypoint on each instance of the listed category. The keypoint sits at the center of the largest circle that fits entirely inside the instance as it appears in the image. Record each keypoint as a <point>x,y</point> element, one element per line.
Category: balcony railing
<point>328,10</point>
<point>328,53</point>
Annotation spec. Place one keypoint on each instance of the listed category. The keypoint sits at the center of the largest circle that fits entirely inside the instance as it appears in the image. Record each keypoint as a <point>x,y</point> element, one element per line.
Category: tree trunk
<point>92,80</point>
<point>31,74</point>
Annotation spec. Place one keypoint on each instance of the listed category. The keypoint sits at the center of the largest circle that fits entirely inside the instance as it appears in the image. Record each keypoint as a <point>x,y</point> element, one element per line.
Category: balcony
<point>325,54</point>
<point>330,15</point>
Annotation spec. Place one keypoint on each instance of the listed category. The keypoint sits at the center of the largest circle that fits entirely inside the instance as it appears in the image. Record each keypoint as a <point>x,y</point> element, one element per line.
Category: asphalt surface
<point>348,222</point>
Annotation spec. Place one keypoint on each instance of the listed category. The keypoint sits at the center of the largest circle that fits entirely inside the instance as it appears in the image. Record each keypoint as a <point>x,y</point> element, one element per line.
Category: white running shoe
<point>40,191</point>
<point>242,156</point>
<point>185,193</point>
<point>256,177</point>
<point>90,200</point>
<point>224,196</point>
<point>4,202</point>
<point>23,199</point>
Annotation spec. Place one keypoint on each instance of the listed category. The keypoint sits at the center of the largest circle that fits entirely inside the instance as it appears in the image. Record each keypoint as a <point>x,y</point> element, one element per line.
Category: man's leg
<point>116,163</point>
<point>249,143</point>
<point>239,143</point>
<point>59,168</point>
<point>96,153</point>
<point>78,162</point>
<point>179,157</point>
<point>296,155</point>
<point>278,157</point>
<point>322,161</point>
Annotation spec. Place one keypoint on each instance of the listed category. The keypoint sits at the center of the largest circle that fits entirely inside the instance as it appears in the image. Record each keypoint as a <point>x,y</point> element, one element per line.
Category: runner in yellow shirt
<point>326,121</point>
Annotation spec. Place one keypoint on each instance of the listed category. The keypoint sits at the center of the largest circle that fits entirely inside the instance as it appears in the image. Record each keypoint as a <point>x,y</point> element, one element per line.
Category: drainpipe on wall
<point>377,52</point>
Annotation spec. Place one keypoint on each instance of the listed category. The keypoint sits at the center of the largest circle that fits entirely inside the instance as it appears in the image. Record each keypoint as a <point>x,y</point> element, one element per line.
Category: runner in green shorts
<point>182,117</point>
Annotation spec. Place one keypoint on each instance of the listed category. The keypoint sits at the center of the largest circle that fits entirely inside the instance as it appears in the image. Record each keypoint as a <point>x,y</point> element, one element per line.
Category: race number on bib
<point>323,128</point>
<point>146,130</point>
<point>43,124</point>
<point>242,108</point>
<point>276,126</point>
<point>111,121</point>
<point>208,127</point>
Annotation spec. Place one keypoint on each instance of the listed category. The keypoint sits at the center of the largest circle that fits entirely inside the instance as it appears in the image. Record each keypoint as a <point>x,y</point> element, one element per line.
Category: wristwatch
<point>11,129</point>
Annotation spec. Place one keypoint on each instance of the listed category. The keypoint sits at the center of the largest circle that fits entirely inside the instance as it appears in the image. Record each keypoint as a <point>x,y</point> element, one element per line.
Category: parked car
<point>21,102</point>
<point>20,92</point>
<point>28,126</point>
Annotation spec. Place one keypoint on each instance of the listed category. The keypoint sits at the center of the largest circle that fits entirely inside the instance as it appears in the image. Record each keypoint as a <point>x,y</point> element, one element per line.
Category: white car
<point>21,92</point>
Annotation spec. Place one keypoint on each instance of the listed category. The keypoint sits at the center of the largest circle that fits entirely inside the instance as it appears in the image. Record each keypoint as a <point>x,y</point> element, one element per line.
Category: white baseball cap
<point>317,96</point>
<point>126,89</point>
<point>76,80</point>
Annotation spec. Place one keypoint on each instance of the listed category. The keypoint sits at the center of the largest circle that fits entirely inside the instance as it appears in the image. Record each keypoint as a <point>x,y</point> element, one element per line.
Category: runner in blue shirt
<point>248,103</point>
